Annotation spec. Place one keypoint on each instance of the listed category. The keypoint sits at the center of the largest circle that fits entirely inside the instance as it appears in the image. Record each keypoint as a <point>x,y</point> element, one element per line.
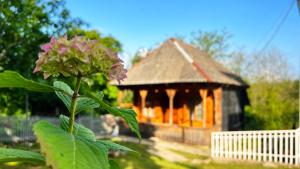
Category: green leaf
<point>130,117</point>
<point>66,151</point>
<point>113,164</point>
<point>79,130</point>
<point>62,96</point>
<point>11,79</point>
<point>111,146</point>
<point>83,103</point>
<point>127,114</point>
<point>14,155</point>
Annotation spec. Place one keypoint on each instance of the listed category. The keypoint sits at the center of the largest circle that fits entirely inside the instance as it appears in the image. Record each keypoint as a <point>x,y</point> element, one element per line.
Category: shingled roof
<point>177,62</point>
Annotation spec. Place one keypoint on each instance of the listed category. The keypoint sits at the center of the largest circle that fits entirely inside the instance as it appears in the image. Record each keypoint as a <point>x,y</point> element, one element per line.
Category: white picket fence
<point>278,146</point>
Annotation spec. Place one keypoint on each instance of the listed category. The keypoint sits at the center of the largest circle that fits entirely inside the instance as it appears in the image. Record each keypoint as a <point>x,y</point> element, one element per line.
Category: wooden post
<point>259,147</point>
<point>203,94</point>
<point>218,107</point>
<point>143,94</point>
<point>281,147</point>
<point>286,147</point>
<point>297,147</point>
<point>171,94</point>
<point>297,152</point>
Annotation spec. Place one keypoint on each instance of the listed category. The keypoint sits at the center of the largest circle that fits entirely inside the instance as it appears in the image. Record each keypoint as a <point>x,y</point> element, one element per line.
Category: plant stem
<point>74,105</point>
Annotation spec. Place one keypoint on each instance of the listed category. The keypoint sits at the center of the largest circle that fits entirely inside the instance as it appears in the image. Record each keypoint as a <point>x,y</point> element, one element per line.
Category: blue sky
<point>145,23</point>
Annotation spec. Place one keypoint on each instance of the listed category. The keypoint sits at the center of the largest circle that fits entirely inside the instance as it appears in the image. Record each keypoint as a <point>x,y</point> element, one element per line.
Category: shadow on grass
<point>147,160</point>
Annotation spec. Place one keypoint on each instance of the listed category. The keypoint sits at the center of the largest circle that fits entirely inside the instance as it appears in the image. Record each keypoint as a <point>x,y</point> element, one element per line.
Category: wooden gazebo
<point>179,85</point>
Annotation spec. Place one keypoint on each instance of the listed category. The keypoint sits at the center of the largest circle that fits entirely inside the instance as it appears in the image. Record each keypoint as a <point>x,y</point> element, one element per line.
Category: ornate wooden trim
<point>203,94</point>
<point>171,94</point>
<point>143,94</point>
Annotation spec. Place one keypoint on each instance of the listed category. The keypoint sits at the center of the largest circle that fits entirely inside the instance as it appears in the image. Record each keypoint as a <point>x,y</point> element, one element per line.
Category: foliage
<point>7,155</point>
<point>274,105</point>
<point>70,145</point>
<point>127,96</point>
<point>24,26</point>
<point>27,24</point>
<point>127,114</point>
<point>273,94</point>
<point>64,150</point>
<point>136,58</point>
<point>84,103</point>
<point>214,43</point>
<point>108,41</point>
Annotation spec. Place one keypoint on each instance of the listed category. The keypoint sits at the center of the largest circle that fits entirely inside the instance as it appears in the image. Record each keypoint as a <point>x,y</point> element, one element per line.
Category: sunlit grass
<point>150,161</point>
<point>12,163</point>
<point>190,156</point>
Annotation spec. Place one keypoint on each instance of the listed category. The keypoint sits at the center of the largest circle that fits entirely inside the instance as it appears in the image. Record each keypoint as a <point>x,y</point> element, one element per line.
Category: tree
<point>109,41</point>
<point>136,58</point>
<point>238,62</point>
<point>274,105</point>
<point>214,43</point>
<point>273,93</point>
<point>27,24</point>
<point>24,25</point>
<point>270,66</point>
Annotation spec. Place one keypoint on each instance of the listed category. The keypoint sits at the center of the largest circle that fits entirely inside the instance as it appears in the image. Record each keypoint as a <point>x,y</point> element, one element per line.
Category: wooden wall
<point>233,108</point>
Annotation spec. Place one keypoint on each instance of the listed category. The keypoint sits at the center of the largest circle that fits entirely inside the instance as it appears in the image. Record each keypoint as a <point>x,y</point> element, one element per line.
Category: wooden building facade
<point>179,85</point>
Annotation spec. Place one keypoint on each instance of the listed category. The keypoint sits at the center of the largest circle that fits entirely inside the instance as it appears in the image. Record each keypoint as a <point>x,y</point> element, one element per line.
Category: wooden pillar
<point>171,94</point>
<point>143,94</point>
<point>218,107</point>
<point>203,94</point>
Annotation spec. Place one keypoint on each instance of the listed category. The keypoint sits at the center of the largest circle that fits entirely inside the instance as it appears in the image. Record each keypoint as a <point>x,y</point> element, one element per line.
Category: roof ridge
<point>191,60</point>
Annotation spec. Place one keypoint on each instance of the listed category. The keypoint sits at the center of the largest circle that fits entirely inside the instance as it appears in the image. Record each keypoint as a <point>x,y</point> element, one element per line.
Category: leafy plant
<point>24,26</point>
<point>71,145</point>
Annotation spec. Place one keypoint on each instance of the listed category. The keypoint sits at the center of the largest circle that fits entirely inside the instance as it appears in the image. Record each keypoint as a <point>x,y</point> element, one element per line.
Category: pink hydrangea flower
<point>79,57</point>
<point>47,47</point>
<point>118,72</point>
<point>62,49</point>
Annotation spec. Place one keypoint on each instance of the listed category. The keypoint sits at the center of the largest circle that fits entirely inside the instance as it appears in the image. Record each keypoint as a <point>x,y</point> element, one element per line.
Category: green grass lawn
<point>149,161</point>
